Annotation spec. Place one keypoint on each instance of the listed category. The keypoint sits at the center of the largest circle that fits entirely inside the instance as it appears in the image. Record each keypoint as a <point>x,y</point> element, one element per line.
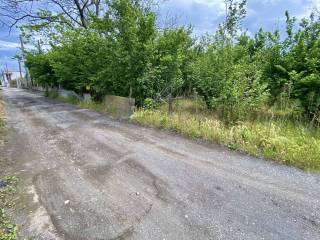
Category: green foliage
<point>149,103</point>
<point>130,32</point>
<point>235,12</point>
<point>51,94</point>
<point>166,71</point>
<point>123,53</point>
<point>41,70</point>
<point>304,65</point>
<point>230,81</point>
<point>8,231</point>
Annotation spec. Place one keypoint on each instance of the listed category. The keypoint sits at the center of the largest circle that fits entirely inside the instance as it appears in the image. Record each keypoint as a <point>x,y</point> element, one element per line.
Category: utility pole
<point>29,84</point>
<point>20,71</point>
<point>3,79</point>
<point>19,81</point>
<point>39,47</point>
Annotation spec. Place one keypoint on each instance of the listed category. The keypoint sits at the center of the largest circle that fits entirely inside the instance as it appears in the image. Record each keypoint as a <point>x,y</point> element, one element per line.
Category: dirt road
<point>86,176</point>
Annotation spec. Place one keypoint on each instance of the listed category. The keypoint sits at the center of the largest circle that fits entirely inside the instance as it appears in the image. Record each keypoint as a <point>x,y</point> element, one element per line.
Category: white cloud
<point>316,4</point>
<point>217,5</point>
<point>204,15</point>
<point>308,8</point>
<point>8,45</point>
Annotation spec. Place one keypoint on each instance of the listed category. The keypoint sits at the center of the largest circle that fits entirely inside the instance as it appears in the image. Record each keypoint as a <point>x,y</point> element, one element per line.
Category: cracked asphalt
<point>87,176</point>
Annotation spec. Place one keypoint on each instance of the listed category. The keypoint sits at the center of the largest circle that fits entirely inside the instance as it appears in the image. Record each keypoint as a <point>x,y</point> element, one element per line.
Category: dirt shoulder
<point>8,184</point>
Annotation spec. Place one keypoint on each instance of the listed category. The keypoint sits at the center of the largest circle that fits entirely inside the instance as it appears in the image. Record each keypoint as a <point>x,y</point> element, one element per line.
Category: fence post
<point>195,95</point>
<point>170,104</point>
<point>130,92</point>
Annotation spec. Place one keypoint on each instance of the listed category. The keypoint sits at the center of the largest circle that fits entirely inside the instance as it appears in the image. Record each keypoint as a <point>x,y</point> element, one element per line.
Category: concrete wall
<point>120,106</point>
<point>67,93</point>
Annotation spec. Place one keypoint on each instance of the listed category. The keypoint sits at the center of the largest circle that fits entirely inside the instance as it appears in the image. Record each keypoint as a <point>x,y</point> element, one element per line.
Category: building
<point>13,79</point>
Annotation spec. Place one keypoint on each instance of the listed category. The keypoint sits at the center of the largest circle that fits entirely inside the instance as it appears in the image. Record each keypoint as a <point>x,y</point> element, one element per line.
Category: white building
<point>14,77</point>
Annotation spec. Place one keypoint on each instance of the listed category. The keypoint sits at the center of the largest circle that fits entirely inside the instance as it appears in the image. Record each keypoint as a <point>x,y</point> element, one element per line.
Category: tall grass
<point>276,138</point>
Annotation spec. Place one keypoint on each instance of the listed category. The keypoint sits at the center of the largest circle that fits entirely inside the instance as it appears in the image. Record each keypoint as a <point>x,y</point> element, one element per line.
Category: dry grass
<point>295,144</point>
<point>2,111</point>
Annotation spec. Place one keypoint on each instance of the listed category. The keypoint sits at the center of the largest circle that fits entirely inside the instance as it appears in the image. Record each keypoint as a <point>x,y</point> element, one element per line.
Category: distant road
<point>87,176</point>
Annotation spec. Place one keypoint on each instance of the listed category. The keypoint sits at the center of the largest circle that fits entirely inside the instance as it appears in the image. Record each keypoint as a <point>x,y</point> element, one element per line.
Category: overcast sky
<point>204,15</point>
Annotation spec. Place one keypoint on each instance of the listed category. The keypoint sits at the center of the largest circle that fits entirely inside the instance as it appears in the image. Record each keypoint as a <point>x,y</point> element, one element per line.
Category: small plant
<point>8,231</point>
<point>71,100</point>
<point>51,94</point>
<point>149,104</point>
<point>232,146</point>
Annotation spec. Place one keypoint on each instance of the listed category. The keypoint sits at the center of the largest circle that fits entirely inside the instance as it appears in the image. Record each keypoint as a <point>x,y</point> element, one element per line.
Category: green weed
<point>291,143</point>
<point>8,231</point>
<point>51,94</point>
<point>70,100</point>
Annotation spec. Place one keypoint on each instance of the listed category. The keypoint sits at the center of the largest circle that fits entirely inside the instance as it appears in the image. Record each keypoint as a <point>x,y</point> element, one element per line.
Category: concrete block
<point>121,106</point>
<point>87,97</point>
<point>66,93</point>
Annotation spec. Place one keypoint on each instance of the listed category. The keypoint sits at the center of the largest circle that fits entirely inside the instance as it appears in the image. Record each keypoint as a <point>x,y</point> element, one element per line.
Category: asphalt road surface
<point>86,176</point>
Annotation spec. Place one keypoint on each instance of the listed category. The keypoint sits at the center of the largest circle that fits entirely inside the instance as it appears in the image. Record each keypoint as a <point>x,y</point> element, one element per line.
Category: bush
<point>124,53</point>
<point>230,82</point>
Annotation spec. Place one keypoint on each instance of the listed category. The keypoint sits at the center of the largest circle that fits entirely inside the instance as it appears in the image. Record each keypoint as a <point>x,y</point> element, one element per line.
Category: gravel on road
<point>87,176</point>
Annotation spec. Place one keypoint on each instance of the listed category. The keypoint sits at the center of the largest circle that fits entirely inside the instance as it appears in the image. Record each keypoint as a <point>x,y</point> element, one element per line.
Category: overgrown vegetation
<point>274,76</point>
<point>292,143</point>
<point>235,74</point>
<point>8,231</point>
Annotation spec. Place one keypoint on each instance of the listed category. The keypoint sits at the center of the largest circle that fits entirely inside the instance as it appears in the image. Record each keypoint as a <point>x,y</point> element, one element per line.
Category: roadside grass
<point>99,107</point>
<point>8,231</point>
<point>273,134</point>
<point>290,142</point>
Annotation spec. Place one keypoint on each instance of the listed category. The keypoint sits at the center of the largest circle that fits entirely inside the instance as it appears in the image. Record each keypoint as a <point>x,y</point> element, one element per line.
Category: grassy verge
<point>277,138</point>
<point>8,231</point>
<point>295,144</point>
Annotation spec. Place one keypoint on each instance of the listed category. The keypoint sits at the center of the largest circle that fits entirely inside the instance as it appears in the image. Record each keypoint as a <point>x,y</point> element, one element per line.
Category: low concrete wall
<point>87,97</point>
<point>61,92</point>
<point>67,93</point>
<point>121,106</point>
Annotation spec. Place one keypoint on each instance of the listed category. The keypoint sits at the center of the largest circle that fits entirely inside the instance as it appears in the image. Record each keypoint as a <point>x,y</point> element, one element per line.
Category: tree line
<point>116,47</point>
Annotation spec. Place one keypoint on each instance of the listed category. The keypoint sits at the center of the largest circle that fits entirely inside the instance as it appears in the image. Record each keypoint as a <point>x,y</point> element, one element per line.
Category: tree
<point>235,13</point>
<point>74,13</point>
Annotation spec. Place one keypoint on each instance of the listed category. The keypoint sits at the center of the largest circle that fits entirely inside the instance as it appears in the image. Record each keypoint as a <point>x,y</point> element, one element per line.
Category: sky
<point>203,15</point>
